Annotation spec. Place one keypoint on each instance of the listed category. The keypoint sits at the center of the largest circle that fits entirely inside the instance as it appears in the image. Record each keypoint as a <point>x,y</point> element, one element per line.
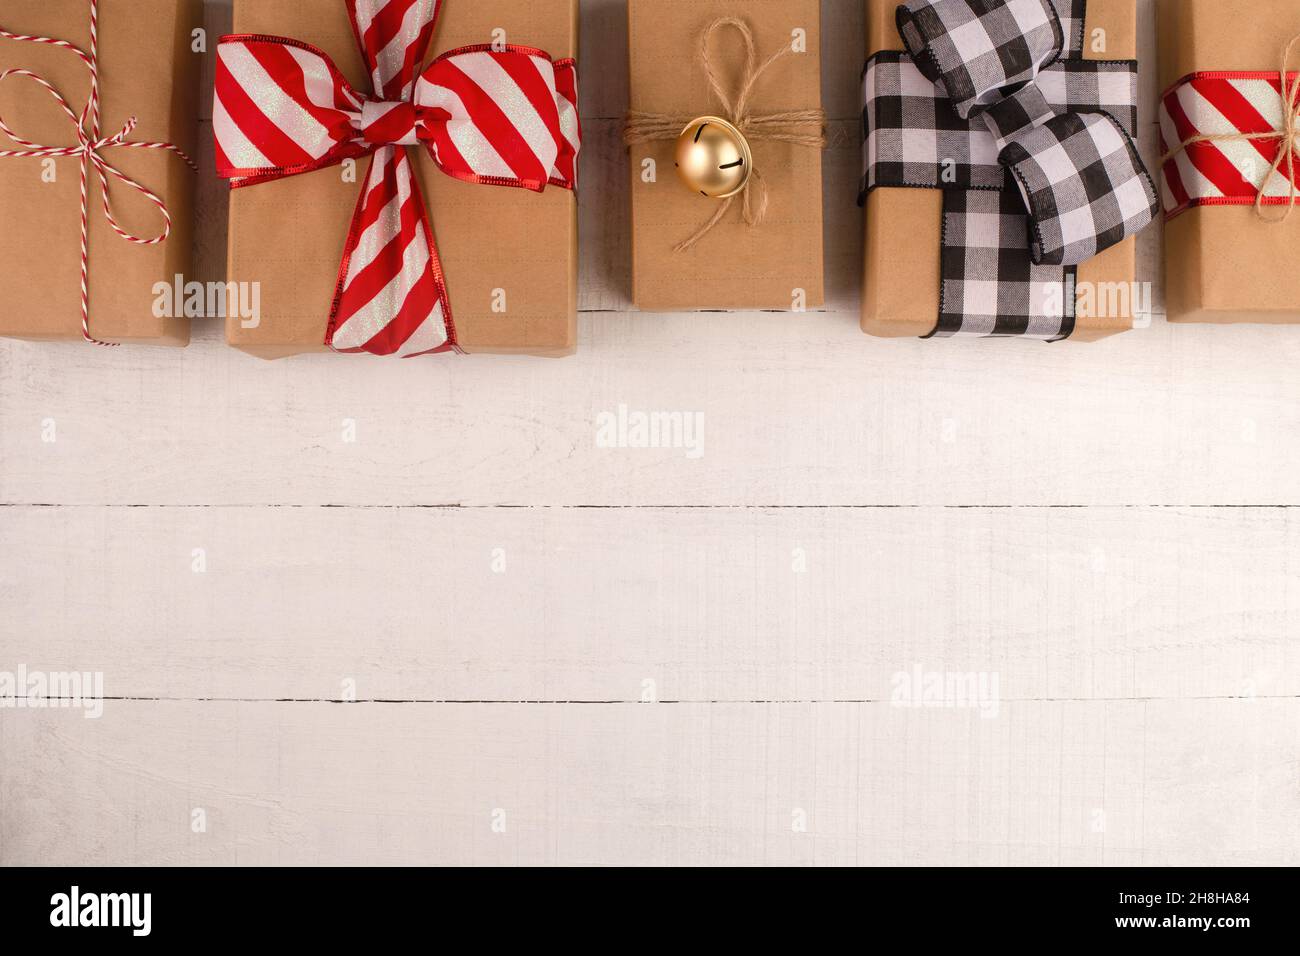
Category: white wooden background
<point>1111,529</point>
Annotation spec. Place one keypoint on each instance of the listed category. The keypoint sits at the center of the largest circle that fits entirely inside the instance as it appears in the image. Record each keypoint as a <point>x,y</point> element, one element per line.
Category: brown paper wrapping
<point>289,234</point>
<point>736,266</point>
<point>146,70</point>
<point>1222,263</point>
<point>904,226</point>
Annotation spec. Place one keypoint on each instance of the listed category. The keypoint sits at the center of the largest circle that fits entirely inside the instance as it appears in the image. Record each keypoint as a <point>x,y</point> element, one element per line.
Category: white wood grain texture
<point>1160,782</point>
<point>709,604</point>
<point>797,411</point>
<point>1145,650</point>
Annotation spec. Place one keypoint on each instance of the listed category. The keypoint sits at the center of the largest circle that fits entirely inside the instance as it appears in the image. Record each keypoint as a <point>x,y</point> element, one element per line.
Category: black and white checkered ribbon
<point>1031,144</point>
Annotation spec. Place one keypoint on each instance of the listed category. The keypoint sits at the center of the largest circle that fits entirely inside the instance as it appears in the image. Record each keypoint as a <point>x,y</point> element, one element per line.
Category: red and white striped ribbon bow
<point>1228,141</point>
<point>498,115</point>
<point>89,145</point>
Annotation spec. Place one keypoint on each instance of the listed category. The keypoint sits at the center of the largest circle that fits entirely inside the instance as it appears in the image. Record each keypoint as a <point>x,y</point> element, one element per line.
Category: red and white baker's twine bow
<point>89,145</point>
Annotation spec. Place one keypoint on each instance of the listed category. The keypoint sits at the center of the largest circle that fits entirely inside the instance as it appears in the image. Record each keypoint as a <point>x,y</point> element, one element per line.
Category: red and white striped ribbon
<point>89,145</point>
<point>1242,168</point>
<point>498,115</point>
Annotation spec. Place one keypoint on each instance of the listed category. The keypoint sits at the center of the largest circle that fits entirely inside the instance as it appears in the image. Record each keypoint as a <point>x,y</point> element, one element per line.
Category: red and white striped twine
<point>89,144</point>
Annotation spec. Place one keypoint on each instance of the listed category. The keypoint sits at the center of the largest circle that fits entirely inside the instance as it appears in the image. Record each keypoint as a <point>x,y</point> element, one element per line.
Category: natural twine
<point>1289,135</point>
<point>790,126</point>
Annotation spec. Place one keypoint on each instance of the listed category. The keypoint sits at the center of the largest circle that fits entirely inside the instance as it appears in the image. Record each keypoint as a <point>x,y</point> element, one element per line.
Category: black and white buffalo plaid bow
<point>1032,145</point>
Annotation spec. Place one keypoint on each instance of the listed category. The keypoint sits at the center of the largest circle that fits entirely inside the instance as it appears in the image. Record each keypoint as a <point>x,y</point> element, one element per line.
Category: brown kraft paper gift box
<point>288,235</point>
<point>735,266</point>
<point>1222,263</point>
<point>146,70</point>
<point>904,226</point>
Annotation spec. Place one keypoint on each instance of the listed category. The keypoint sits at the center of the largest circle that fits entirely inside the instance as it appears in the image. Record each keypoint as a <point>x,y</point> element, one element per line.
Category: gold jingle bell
<point>713,157</point>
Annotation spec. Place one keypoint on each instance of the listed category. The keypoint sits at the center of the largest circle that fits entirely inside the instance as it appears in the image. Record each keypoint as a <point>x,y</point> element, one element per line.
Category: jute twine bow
<point>1288,137</point>
<point>799,127</point>
<point>89,144</point>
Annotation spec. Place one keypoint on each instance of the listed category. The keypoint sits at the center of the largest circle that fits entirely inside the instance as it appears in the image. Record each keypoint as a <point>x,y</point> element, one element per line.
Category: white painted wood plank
<point>797,410</point>
<point>686,604</point>
<point>1159,783</point>
<point>1147,676</point>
